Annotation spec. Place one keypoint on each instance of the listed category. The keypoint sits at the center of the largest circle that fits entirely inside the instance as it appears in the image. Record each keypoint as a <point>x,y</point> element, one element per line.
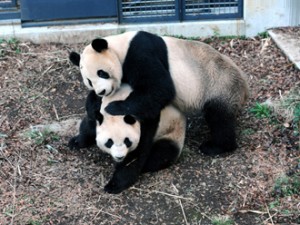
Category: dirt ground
<point>43,182</point>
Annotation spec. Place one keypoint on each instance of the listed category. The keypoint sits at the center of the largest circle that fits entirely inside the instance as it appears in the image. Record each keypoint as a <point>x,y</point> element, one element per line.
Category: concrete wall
<point>259,15</point>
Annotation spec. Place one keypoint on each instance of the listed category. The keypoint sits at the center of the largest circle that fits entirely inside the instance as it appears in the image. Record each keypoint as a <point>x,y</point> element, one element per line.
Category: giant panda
<point>129,140</point>
<point>161,70</point>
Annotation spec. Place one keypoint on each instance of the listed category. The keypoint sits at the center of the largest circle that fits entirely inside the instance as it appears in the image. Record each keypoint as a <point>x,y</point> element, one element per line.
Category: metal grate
<point>7,4</point>
<point>212,9</point>
<point>148,10</point>
<point>167,10</point>
<point>9,9</point>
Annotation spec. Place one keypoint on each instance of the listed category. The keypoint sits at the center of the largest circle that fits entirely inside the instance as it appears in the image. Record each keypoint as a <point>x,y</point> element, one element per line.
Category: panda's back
<point>200,73</point>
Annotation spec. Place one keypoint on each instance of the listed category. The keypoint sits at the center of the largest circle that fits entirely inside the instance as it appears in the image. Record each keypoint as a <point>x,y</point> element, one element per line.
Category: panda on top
<point>191,75</point>
<point>130,141</point>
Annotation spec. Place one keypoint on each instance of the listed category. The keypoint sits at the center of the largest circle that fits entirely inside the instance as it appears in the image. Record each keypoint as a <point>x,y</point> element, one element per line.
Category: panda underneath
<point>129,141</point>
<point>164,70</point>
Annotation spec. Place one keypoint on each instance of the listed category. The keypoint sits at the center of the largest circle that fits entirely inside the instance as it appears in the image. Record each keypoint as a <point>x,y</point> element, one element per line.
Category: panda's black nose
<point>102,92</point>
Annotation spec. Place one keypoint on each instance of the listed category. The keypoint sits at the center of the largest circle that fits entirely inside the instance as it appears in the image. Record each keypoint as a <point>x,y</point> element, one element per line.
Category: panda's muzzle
<point>102,93</point>
<point>119,158</point>
<point>112,90</point>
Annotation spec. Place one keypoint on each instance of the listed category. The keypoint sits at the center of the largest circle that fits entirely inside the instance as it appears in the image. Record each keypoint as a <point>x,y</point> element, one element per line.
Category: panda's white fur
<point>114,128</point>
<point>112,64</point>
<point>172,125</point>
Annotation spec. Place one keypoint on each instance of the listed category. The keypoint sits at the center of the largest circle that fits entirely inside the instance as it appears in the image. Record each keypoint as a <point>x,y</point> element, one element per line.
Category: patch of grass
<point>9,211</point>
<point>248,131</point>
<point>216,36</point>
<point>9,45</point>
<point>222,220</point>
<point>274,204</point>
<point>229,37</point>
<point>261,110</point>
<point>296,119</point>
<point>287,185</point>
<point>14,45</point>
<point>34,222</point>
<point>289,107</point>
<point>42,137</point>
<point>183,37</point>
<point>223,38</point>
<point>264,34</point>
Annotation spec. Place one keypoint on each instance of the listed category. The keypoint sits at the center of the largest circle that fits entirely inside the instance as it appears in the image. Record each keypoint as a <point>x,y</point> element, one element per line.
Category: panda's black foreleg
<point>86,136</point>
<point>221,121</point>
<point>87,130</point>
<point>163,154</point>
<point>127,172</point>
<point>148,100</point>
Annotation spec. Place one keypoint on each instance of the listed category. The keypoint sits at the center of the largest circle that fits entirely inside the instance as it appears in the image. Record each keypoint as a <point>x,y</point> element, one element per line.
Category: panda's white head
<point>100,67</point>
<point>117,135</point>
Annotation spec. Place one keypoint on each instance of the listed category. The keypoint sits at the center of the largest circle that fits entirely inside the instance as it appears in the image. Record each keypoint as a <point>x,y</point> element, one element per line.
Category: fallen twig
<point>163,193</point>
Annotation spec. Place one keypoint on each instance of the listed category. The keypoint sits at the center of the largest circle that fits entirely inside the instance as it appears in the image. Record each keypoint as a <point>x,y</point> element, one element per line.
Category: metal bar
<point>212,9</point>
<point>9,10</point>
<point>68,22</point>
<point>8,4</point>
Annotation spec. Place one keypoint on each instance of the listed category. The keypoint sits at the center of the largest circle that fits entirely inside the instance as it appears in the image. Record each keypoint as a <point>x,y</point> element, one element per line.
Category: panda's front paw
<point>121,180</point>
<point>117,108</point>
<point>209,148</point>
<point>73,143</point>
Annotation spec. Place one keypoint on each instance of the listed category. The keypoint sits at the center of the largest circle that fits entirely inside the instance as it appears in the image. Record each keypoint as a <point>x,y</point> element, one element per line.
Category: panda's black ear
<point>129,119</point>
<point>74,58</point>
<point>99,44</point>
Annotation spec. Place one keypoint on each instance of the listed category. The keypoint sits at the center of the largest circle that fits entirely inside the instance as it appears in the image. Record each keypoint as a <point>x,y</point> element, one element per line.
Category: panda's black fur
<point>149,156</point>
<point>87,129</point>
<point>191,75</point>
<point>154,85</point>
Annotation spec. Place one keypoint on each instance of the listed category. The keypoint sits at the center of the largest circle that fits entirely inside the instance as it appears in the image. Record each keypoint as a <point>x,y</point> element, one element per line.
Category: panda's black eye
<point>109,143</point>
<point>127,142</point>
<point>102,74</point>
<point>90,83</point>
<point>129,119</point>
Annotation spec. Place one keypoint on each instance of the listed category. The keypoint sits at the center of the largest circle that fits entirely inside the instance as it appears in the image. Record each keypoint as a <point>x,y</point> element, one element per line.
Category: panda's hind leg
<point>221,120</point>
<point>164,153</point>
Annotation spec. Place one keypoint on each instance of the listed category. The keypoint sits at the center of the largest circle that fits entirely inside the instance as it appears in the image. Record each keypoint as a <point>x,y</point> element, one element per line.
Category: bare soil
<point>43,182</point>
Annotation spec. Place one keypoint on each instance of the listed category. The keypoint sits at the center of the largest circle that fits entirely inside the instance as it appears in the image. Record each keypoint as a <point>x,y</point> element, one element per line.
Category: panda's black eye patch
<point>109,143</point>
<point>102,74</point>
<point>129,119</point>
<point>127,142</point>
<point>90,82</point>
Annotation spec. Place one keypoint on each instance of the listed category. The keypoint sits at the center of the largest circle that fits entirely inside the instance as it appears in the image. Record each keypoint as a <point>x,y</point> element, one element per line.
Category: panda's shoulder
<point>145,45</point>
<point>143,38</point>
